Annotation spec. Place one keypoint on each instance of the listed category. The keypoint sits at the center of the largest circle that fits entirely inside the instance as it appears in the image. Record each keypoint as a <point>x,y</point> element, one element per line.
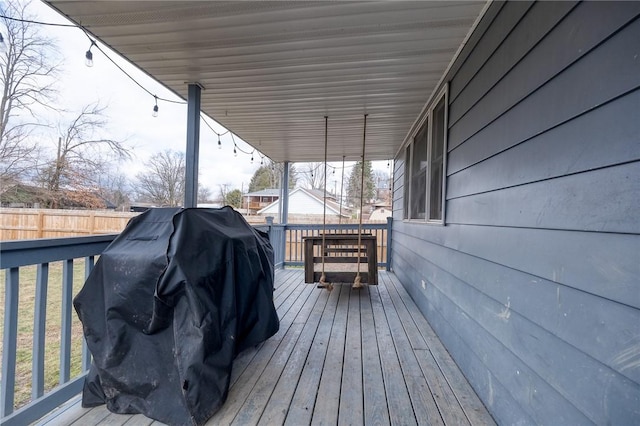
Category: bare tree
<point>162,182</point>
<point>313,175</point>
<point>28,71</point>
<point>204,194</point>
<point>114,187</point>
<point>81,155</point>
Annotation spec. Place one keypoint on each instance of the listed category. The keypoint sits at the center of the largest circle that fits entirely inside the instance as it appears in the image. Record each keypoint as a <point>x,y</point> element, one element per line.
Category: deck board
<point>347,356</point>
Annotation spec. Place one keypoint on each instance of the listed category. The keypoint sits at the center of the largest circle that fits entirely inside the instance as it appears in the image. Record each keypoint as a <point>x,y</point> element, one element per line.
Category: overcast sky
<point>130,110</point>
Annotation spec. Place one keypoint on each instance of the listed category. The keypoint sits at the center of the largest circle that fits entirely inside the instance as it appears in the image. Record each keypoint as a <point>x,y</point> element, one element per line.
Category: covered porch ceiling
<point>271,70</point>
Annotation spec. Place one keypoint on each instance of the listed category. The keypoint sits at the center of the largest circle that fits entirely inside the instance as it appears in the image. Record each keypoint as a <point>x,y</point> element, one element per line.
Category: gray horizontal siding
<point>598,138</point>
<point>560,203</point>
<point>584,86</point>
<point>534,283</point>
<point>534,358</point>
<point>537,22</point>
<point>398,188</point>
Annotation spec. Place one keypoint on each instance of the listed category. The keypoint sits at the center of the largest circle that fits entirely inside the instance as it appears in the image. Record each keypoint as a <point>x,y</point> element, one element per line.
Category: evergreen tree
<point>234,198</point>
<point>354,184</point>
<point>269,175</point>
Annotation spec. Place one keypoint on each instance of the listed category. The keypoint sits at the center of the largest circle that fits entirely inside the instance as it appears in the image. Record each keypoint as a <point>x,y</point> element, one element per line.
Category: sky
<point>129,110</point>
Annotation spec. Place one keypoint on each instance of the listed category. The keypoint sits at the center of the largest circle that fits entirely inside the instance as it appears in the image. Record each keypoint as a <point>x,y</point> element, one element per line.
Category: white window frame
<point>428,120</point>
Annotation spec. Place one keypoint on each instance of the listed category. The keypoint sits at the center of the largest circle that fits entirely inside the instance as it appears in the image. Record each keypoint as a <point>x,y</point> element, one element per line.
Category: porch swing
<point>341,250</point>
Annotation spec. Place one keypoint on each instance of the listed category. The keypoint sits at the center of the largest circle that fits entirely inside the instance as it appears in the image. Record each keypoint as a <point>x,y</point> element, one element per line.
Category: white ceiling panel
<point>271,70</point>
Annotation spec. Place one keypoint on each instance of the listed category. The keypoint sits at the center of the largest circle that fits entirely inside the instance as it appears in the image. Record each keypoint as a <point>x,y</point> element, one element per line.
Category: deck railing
<point>20,258</point>
<point>27,266</point>
<point>288,240</point>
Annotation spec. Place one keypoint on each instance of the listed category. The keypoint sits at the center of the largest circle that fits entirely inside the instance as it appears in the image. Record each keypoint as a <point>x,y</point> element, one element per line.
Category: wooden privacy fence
<point>25,224</point>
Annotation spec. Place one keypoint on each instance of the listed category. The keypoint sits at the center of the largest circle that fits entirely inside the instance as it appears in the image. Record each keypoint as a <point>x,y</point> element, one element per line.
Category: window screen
<point>419,174</point>
<point>436,161</point>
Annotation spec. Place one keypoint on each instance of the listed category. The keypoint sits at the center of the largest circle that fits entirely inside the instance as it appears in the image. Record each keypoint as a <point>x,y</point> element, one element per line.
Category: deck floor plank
<point>376,411</point>
<point>351,393</point>
<point>239,393</point>
<point>327,404</point>
<point>286,292</point>
<point>474,409</point>
<point>256,402</point>
<point>277,407</point>
<point>398,401</point>
<point>424,406</point>
<point>93,416</point>
<point>343,357</point>
<point>138,420</point>
<point>115,419</point>
<point>303,397</point>
<point>448,405</point>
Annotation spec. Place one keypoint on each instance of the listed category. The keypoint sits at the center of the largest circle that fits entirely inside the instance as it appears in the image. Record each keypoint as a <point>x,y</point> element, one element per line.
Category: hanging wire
<point>89,62</point>
<point>323,278</point>
<point>29,21</point>
<point>357,283</point>
<point>341,193</point>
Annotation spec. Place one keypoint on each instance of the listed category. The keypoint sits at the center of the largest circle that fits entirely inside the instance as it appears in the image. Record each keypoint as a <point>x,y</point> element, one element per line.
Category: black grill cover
<point>168,306</point>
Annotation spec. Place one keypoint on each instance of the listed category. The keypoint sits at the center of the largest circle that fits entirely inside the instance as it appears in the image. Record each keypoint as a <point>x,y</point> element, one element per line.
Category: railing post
<point>86,354</point>
<point>65,323</point>
<point>389,228</point>
<point>39,330</point>
<point>10,340</point>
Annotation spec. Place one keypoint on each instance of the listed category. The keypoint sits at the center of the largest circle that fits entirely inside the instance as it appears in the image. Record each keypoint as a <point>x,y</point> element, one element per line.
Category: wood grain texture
<point>341,357</point>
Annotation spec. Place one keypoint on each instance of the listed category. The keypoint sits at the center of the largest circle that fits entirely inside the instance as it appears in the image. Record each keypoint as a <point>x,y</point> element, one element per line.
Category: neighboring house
<point>307,202</point>
<point>380,213</point>
<point>254,201</point>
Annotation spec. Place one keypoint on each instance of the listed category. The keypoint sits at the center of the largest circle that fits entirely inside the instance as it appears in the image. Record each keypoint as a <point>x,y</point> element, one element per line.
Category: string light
<point>88,56</point>
<point>388,163</point>
<point>89,63</point>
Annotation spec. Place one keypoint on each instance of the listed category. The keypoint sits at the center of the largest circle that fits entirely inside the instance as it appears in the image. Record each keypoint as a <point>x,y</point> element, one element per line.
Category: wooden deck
<point>343,357</point>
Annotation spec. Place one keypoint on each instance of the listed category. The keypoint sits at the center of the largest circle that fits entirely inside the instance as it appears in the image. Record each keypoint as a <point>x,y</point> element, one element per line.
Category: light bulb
<point>155,107</point>
<point>252,159</point>
<point>88,56</point>
<point>219,143</point>
<point>88,59</point>
<point>235,153</point>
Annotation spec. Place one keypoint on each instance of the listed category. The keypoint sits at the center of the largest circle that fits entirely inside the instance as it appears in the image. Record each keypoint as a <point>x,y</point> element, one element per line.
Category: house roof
<point>270,192</point>
<point>272,70</point>
<point>331,202</point>
<point>332,206</point>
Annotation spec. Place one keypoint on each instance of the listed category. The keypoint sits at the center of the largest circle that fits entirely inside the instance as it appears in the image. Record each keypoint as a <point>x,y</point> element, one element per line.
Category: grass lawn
<point>26,301</point>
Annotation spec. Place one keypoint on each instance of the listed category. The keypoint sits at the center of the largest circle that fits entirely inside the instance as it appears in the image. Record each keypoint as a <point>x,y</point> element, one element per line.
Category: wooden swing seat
<point>341,249</point>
